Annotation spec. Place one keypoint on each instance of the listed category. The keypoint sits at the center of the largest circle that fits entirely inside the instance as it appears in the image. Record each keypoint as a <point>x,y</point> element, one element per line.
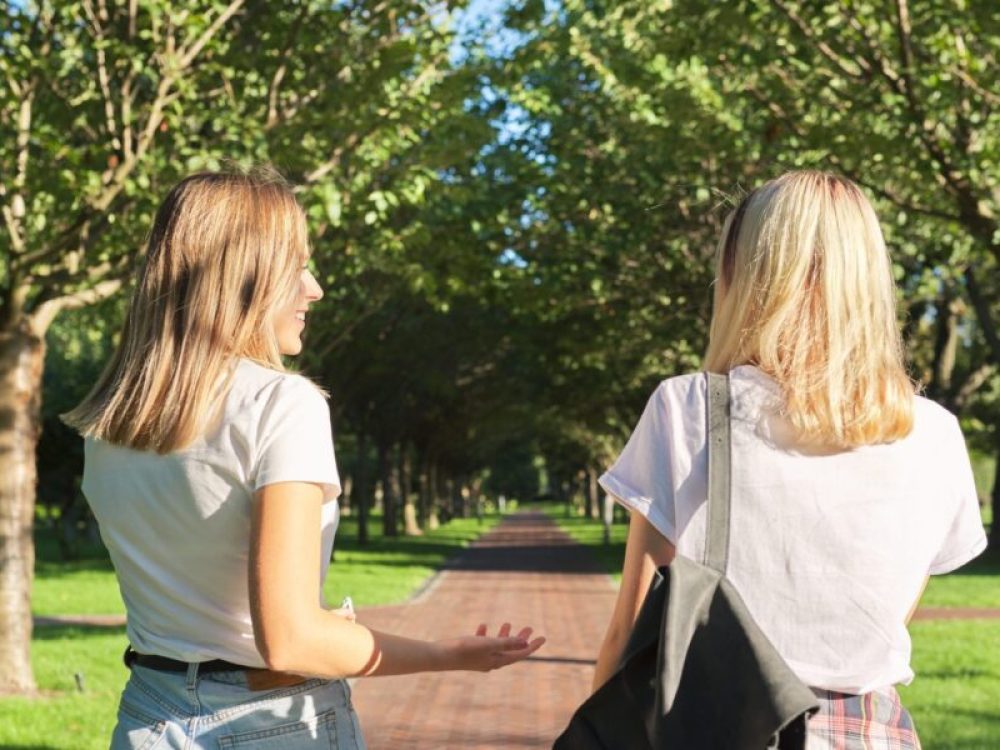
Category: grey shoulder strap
<point>717,539</point>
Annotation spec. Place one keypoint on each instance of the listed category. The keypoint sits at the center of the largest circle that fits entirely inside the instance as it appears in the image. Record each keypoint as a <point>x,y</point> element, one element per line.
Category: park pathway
<point>525,571</point>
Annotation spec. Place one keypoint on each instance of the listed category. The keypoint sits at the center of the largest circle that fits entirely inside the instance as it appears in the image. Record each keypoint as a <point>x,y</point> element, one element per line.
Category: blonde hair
<point>804,291</point>
<point>224,253</point>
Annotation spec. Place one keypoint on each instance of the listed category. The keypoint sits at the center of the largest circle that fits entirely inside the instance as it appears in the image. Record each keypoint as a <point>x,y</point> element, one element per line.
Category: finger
<point>525,633</point>
<point>514,656</point>
<point>481,630</point>
<point>504,630</point>
<point>512,644</point>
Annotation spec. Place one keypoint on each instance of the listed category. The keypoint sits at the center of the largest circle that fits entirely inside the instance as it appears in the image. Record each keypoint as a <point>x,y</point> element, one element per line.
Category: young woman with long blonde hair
<point>848,489</point>
<point>211,472</point>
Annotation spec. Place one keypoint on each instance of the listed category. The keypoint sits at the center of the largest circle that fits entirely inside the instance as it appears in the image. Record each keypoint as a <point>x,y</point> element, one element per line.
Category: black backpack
<point>697,672</point>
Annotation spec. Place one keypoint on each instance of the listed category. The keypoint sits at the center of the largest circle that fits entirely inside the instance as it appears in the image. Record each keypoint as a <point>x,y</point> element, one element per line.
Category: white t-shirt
<point>178,525</point>
<point>829,551</point>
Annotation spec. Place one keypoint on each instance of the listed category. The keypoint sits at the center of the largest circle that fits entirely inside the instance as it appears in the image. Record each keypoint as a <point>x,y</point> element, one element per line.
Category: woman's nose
<point>313,291</point>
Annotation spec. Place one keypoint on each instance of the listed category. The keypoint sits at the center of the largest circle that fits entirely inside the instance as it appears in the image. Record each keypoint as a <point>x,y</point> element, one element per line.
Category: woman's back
<point>176,524</point>
<point>830,549</point>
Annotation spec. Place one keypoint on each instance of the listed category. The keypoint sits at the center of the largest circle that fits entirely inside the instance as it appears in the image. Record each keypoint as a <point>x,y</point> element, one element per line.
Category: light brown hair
<point>224,253</point>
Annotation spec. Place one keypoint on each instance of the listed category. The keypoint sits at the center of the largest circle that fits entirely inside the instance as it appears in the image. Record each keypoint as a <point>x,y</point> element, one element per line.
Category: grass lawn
<point>386,571</point>
<point>955,697</point>
<point>67,718</point>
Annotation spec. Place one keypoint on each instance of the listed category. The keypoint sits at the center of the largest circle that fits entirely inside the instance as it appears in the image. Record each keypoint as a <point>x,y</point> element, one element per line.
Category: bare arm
<point>645,551</point>
<point>295,634</point>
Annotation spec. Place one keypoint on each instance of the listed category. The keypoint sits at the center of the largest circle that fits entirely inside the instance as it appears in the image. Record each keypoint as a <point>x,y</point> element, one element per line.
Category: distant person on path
<point>848,489</point>
<point>211,471</point>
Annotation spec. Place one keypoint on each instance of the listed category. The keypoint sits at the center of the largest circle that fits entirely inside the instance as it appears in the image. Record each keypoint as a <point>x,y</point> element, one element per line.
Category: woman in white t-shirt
<point>211,472</point>
<point>848,489</point>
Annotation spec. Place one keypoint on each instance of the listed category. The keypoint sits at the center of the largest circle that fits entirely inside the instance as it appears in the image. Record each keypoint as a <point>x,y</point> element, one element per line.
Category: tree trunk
<point>608,517</point>
<point>945,348</point>
<point>362,490</point>
<point>455,490</point>
<point>390,490</point>
<point>995,524</point>
<point>423,490</point>
<point>347,495</point>
<point>410,525</point>
<point>433,493</point>
<point>593,493</point>
<point>22,356</point>
<point>460,499</point>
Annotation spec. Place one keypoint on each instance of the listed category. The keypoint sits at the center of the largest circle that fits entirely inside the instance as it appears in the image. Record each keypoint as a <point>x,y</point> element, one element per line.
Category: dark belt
<point>165,664</point>
<point>257,678</point>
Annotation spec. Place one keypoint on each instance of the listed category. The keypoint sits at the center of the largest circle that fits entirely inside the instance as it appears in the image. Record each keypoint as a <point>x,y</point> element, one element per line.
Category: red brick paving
<point>525,571</point>
<point>956,613</point>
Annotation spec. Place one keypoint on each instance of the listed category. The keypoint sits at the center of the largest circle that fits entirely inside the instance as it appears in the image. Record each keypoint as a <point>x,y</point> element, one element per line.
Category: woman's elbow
<point>283,643</point>
<point>278,650</point>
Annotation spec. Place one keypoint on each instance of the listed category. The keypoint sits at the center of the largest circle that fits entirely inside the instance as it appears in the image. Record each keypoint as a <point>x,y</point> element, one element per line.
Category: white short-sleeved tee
<point>177,526</point>
<point>829,550</point>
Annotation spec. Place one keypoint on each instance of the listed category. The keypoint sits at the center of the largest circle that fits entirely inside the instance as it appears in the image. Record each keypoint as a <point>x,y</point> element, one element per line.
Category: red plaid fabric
<point>874,721</point>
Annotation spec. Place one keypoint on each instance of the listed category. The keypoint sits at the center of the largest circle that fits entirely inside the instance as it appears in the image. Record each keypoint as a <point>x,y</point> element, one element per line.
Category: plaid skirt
<point>873,721</point>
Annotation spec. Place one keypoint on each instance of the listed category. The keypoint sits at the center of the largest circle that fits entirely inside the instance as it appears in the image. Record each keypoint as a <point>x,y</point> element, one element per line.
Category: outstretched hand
<point>482,653</point>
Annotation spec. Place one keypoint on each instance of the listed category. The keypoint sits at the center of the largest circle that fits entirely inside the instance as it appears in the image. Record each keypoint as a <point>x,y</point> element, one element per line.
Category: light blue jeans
<point>181,711</point>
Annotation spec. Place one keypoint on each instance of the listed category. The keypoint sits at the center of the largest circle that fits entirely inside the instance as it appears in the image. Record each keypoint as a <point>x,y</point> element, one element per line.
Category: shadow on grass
<point>987,564</point>
<point>75,632</point>
<point>980,724</point>
<point>53,568</point>
<point>957,673</point>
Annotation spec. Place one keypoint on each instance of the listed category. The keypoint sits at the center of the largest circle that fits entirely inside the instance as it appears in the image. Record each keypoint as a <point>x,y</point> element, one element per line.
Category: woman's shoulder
<point>258,384</point>
<point>690,389</point>
<point>686,388</point>
<point>933,420</point>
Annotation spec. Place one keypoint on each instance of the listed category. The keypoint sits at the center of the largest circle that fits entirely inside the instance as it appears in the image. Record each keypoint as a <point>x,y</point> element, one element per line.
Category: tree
<point>105,105</point>
<point>76,157</point>
<point>895,95</point>
<point>898,96</point>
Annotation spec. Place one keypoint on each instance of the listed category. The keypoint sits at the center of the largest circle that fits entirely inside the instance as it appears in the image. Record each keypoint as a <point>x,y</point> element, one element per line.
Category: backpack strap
<point>718,439</point>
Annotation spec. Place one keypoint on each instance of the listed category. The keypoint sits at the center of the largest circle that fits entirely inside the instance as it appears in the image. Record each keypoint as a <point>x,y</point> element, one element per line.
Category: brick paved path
<point>526,571</point>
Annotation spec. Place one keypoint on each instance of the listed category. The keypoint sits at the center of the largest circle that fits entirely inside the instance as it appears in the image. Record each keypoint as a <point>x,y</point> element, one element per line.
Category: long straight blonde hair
<point>804,291</point>
<point>224,253</point>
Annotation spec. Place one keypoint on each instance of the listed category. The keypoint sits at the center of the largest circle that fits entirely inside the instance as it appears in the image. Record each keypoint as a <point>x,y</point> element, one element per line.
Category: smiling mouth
<point>300,316</point>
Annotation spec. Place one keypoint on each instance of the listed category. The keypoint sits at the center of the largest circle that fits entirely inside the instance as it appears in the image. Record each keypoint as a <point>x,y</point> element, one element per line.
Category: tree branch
<point>103,79</point>
<point>892,196</point>
<point>972,383</point>
<point>926,129</point>
<point>274,87</point>
<point>853,68</point>
<point>187,56</point>
<point>45,313</point>
<point>982,308</point>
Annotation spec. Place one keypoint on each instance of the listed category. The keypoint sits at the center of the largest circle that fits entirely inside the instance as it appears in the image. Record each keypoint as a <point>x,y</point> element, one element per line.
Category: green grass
<point>591,533</point>
<point>65,718</point>
<point>76,588</point>
<point>391,570</point>
<point>955,697</point>
<point>386,571</point>
<point>975,585</point>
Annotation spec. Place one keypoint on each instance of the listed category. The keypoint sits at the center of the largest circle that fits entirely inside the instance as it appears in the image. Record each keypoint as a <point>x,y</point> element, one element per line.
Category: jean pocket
<point>136,730</point>
<point>315,733</point>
